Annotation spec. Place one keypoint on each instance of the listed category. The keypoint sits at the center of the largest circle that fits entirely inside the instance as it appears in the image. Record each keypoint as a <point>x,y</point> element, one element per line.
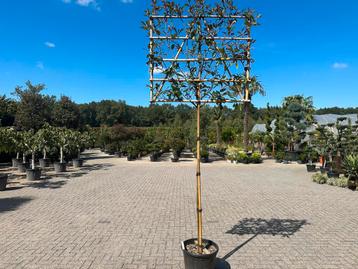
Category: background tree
<point>66,113</point>
<point>34,109</point>
<point>7,111</point>
<point>298,115</point>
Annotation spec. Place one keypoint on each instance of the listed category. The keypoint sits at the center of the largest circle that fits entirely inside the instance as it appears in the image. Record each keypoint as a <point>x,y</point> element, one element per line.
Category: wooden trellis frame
<point>227,78</point>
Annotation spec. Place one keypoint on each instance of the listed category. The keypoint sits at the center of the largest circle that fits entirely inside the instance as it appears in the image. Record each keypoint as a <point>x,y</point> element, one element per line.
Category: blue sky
<point>93,50</point>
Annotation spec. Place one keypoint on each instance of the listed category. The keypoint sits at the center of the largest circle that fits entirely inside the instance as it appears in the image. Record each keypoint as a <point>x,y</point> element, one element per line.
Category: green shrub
<point>331,181</point>
<point>342,182</point>
<point>256,157</point>
<point>319,178</point>
<point>280,155</point>
<point>242,157</point>
<point>350,165</point>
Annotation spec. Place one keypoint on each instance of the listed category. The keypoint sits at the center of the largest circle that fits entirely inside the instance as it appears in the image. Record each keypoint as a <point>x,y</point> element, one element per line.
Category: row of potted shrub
<point>48,139</point>
<point>237,155</point>
<point>350,171</point>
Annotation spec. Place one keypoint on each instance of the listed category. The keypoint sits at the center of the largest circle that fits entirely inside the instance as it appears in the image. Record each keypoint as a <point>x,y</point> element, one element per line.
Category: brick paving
<point>133,215</point>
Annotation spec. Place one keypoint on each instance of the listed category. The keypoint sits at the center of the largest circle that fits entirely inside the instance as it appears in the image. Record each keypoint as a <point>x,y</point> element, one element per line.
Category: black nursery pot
<point>15,162</point>
<point>60,167</point>
<point>311,167</point>
<point>205,261</point>
<point>33,174</point>
<point>77,163</point>
<point>154,157</point>
<point>3,182</point>
<point>22,167</point>
<point>44,163</point>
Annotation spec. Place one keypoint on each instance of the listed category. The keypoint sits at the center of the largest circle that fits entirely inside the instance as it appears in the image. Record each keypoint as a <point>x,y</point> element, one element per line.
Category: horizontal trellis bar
<point>204,37</point>
<point>205,101</point>
<point>195,80</point>
<point>198,17</point>
<point>203,59</point>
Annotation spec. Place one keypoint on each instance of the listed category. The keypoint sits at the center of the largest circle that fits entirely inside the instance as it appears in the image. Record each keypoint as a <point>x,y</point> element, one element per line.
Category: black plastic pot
<point>332,174</point>
<point>15,162</point>
<point>3,182</point>
<point>154,157</point>
<point>22,167</point>
<point>323,170</point>
<point>77,163</point>
<point>175,159</point>
<point>33,174</point>
<point>311,168</point>
<point>44,163</point>
<point>130,158</point>
<point>204,159</point>
<point>193,261</point>
<point>60,167</point>
<point>352,184</point>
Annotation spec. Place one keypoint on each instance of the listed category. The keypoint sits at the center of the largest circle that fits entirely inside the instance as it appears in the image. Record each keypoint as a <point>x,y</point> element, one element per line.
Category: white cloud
<point>127,1</point>
<point>40,65</point>
<point>338,65</point>
<point>85,3</point>
<point>50,44</point>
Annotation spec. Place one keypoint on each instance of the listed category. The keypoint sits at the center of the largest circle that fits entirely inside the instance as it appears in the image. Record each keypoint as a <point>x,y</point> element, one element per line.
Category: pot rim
<point>202,256</point>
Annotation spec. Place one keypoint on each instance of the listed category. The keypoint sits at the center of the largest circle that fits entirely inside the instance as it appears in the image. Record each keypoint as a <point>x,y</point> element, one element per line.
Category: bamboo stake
<point>198,177</point>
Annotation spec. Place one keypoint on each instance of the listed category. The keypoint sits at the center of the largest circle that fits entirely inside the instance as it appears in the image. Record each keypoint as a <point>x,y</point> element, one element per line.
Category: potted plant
<point>79,141</point>
<point>5,146</point>
<point>62,140</point>
<point>350,167</point>
<point>21,145</point>
<point>31,141</point>
<point>46,141</point>
<point>133,150</point>
<point>176,141</point>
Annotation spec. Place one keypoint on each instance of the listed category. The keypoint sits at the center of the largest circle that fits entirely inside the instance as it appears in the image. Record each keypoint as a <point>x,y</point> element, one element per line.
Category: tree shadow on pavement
<point>94,167</point>
<point>46,184</point>
<point>255,227</point>
<point>11,204</point>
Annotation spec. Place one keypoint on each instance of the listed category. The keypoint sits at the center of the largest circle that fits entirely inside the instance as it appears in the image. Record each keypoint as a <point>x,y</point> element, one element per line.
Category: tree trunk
<point>23,157</point>
<point>18,155</point>
<point>218,132</point>
<point>44,153</point>
<point>33,160</point>
<point>246,126</point>
<point>61,155</point>
<point>273,149</point>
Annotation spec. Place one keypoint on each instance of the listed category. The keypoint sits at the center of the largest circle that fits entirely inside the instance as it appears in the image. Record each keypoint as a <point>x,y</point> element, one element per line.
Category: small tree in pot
<point>79,141</point>
<point>46,142</point>
<point>21,145</point>
<point>32,144</point>
<point>5,146</point>
<point>62,141</point>
<point>176,141</point>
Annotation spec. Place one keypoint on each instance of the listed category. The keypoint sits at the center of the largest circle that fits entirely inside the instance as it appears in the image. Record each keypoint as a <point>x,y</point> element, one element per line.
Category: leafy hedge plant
<point>323,179</point>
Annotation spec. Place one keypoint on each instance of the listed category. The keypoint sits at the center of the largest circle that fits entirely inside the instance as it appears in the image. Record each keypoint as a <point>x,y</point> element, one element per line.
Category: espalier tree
<point>199,53</point>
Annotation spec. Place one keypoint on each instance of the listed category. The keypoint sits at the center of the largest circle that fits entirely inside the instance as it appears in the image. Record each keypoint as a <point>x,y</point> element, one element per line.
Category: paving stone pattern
<point>133,215</point>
